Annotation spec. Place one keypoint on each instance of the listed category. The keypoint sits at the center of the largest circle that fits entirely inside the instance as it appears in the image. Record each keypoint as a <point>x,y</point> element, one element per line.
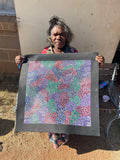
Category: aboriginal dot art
<point>58,92</point>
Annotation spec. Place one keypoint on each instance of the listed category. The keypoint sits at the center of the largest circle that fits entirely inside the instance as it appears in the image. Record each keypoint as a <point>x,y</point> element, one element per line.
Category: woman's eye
<point>61,34</point>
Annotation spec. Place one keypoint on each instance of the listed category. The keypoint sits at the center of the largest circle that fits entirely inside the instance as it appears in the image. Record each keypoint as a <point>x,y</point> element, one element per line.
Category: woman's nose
<point>58,36</point>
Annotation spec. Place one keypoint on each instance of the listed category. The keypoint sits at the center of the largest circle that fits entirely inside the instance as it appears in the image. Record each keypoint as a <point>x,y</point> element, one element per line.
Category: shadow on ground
<point>9,83</point>
<point>6,126</point>
<point>84,144</point>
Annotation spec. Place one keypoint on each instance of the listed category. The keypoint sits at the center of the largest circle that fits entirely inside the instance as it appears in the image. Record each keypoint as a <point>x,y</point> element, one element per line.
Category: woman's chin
<point>58,46</point>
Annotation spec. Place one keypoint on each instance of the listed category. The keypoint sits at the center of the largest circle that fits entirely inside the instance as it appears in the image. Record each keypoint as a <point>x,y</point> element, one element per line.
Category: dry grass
<point>7,101</point>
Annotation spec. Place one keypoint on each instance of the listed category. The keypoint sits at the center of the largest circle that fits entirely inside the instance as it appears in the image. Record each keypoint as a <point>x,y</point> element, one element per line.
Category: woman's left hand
<point>100,59</point>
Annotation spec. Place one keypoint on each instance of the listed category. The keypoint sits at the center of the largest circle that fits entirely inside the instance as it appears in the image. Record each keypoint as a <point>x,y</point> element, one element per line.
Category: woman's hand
<point>100,59</point>
<point>19,60</point>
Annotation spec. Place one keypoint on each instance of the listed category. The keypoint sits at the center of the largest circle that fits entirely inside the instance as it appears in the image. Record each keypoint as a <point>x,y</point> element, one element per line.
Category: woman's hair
<point>56,21</point>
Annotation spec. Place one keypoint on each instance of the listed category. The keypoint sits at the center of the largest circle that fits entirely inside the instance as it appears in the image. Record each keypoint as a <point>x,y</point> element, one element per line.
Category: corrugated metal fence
<point>7,7</point>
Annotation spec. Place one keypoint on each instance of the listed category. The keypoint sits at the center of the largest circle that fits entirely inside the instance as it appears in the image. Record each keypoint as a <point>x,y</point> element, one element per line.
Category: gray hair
<point>56,21</point>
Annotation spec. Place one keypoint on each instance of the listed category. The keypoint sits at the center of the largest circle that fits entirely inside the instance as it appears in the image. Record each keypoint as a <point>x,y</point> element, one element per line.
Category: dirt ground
<point>36,146</point>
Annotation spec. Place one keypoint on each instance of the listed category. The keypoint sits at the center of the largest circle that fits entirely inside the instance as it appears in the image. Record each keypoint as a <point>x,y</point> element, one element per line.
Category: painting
<point>59,93</point>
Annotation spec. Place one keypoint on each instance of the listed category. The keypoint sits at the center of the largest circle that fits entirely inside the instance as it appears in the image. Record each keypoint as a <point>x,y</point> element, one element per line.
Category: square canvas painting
<point>59,93</point>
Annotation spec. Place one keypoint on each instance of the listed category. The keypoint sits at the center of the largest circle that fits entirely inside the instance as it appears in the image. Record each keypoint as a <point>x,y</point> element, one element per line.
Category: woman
<point>60,36</point>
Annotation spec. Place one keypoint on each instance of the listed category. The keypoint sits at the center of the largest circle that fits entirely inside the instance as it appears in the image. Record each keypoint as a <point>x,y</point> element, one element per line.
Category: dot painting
<point>58,92</point>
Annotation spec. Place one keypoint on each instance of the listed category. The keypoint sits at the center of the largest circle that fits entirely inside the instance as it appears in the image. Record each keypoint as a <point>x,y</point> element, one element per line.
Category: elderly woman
<point>60,36</point>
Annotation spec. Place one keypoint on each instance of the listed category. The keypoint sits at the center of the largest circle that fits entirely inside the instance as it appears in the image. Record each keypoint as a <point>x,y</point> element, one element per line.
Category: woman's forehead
<point>57,29</point>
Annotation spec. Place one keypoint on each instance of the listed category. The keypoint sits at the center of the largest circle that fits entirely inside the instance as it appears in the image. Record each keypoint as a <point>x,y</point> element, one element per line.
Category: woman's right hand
<point>19,60</point>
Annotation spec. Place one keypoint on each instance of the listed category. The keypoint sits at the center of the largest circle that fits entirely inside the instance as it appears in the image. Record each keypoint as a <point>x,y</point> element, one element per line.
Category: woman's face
<point>58,36</point>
